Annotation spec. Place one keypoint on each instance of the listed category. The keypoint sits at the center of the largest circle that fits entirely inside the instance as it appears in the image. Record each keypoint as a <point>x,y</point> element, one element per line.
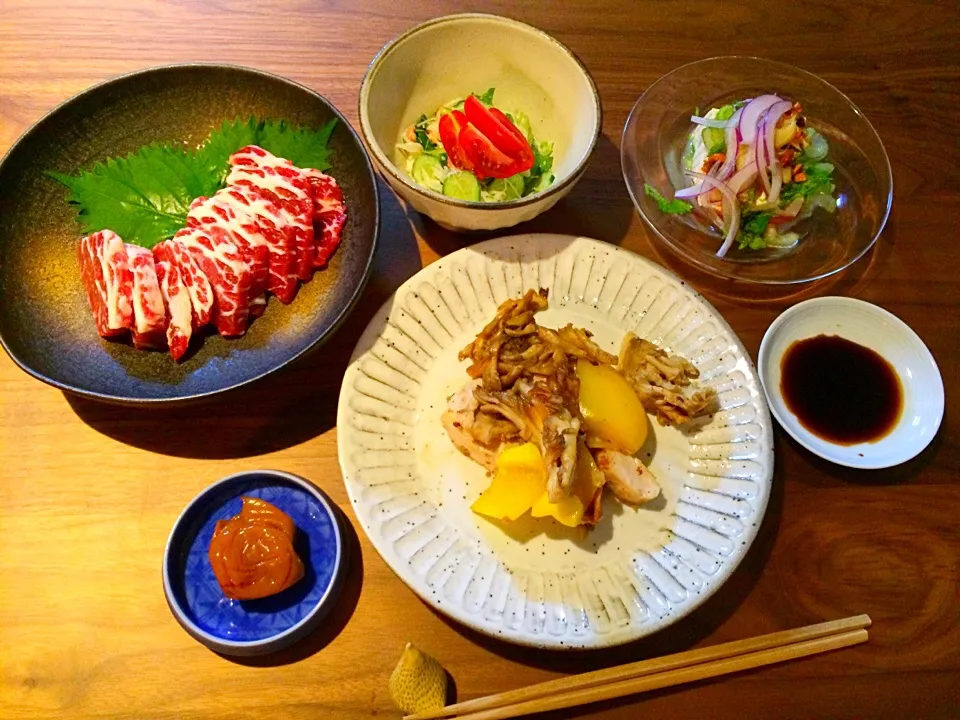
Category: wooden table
<point>88,493</point>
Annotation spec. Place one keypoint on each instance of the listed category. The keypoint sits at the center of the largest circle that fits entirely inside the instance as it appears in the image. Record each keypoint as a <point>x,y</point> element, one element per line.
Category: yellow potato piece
<point>611,409</point>
<point>568,511</point>
<point>520,479</point>
<point>586,480</point>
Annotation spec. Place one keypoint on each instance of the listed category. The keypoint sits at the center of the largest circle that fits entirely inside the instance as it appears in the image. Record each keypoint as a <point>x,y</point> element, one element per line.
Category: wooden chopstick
<point>660,672</point>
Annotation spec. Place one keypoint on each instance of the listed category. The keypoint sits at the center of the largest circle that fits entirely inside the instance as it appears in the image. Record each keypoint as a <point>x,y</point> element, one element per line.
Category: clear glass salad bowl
<point>657,133</point>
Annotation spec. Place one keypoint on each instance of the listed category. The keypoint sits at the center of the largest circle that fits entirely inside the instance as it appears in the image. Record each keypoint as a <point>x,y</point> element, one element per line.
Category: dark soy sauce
<point>840,391</point>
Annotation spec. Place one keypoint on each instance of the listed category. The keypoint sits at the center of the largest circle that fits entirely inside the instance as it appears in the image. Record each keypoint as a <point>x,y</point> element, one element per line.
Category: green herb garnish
<point>486,98</point>
<point>819,182</point>
<point>672,207</point>
<point>751,233</point>
<point>420,131</point>
<point>540,175</point>
<point>144,197</point>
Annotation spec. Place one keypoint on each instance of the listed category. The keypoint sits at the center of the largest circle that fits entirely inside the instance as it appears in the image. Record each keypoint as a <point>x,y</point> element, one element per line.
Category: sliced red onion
<point>750,116</point>
<point>770,120</point>
<point>762,158</point>
<point>691,191</point>
<point>777,184</point>
<point>793,209</point>
<point>743,178</point>
<point>732,148</point>
<point>708,212</point>
<point>731,207</point>
<point>711,122</point>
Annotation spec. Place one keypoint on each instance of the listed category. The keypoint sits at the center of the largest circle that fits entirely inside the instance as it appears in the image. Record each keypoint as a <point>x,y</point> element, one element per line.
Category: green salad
<point>469,149</point>
<point>756,170</point>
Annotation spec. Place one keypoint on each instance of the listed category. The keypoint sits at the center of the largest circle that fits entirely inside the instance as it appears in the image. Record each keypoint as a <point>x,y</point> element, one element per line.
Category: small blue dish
<point>254,627</point>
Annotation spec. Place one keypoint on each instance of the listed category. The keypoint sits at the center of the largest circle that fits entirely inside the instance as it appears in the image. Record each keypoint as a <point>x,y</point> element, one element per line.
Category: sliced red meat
<point>149,312</point>
<point>229,275</point>
<point>329,215</point>
<point>176,299</point>
<point>284,184</point>
<point>255,225</point>
<point>191,277</point>
<point>108,281</point>
<point>215,217</point>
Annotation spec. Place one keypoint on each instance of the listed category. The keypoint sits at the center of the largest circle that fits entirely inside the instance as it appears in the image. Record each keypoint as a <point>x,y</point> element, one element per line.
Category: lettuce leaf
<point>751,233</point>
<point>671,207</point>
<point>144,197</point>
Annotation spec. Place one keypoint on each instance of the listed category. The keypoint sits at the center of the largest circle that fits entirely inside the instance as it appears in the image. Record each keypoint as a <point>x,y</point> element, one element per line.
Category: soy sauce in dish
<point>842,392</point>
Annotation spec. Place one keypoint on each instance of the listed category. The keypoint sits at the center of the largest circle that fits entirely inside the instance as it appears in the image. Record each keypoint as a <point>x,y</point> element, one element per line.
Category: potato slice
<point>611,409</point>
<point>520,480</point>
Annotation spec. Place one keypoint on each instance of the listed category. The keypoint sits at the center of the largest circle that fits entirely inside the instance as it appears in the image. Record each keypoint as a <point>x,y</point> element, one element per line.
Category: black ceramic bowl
<point>45,321</point>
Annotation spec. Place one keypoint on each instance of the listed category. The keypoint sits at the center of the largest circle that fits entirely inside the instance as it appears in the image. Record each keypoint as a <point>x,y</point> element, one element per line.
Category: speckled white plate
<point>537,583</point>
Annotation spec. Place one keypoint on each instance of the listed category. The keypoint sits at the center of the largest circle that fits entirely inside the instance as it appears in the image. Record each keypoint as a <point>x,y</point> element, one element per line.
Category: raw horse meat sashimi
<point>149,312</point>
<point>228,273</point>
<point>329,215</point>
<point>176,297</point>
<point>272,226</point>
<point>108,281</point>
<point>287,187</point>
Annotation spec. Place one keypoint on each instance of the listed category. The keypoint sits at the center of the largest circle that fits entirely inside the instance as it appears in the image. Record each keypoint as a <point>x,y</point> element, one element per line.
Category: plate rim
<point>544,641</point>
<point>132,401</point>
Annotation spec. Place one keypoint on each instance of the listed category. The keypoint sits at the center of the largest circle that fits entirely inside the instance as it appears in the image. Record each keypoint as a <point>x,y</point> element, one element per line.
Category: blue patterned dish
<point>253,627</point>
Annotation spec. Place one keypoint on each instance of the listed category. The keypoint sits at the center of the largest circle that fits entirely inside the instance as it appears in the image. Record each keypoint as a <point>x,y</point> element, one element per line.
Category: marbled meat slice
<point>329,214</point>
<point>216,216</point>
<point>149,312</point>
<point>176,298</point>
<point>229,275</point>
<point>284,184</point>
<point>108,281</point>
<point>255,224</point>
<point>192,277</point>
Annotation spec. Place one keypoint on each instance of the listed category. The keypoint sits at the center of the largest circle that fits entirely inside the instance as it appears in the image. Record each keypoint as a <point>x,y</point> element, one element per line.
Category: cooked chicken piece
<point>659,380</point>
<point>629,479</point>
<point>477,434</point>
<point>558,445</point>
<point>538,415</point>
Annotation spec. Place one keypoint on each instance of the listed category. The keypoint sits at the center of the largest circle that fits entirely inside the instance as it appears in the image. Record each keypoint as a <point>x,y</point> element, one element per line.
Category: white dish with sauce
<point>875,328</point>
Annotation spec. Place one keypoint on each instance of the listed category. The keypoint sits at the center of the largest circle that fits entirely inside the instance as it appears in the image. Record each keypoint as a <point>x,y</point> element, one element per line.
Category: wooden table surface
<point>88,493</point>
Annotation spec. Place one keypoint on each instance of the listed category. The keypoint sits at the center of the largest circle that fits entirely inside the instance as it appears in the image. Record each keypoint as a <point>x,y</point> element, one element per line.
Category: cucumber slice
<point>715,138</point>
<point>427,170</point>
<point>462,186</point>
<point>504,189</point>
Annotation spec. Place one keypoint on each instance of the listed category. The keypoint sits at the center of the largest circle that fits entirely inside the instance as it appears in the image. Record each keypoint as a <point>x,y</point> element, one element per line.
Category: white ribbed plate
<point>539,583</point>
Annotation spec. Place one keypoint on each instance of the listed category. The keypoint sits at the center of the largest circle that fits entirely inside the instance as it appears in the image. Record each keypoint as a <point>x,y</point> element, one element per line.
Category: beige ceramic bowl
<point>452,56</point>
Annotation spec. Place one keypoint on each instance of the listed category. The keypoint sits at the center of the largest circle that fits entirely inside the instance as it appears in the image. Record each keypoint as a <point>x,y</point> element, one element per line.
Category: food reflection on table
<point>556,419</point>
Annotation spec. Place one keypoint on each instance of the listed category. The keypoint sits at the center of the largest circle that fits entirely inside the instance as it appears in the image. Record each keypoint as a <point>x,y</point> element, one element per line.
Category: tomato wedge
<point>503,134</point>
<point>450,127</point>
<point>488,161</point>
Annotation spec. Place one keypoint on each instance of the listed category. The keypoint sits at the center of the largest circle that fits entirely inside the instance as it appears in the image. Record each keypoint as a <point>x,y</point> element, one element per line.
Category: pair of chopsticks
<point>690,666</point>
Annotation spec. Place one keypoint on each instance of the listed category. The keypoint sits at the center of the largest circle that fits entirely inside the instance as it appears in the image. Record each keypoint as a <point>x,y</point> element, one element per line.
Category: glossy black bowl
<point>45,321</point>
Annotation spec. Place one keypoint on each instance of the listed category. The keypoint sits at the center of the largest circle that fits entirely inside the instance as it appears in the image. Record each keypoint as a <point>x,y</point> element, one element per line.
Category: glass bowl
<point>652,148</point>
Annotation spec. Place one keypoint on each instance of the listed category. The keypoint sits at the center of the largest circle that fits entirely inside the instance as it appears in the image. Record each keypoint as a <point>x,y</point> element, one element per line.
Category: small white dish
<point>452,56</point>
<point>882,332</point>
